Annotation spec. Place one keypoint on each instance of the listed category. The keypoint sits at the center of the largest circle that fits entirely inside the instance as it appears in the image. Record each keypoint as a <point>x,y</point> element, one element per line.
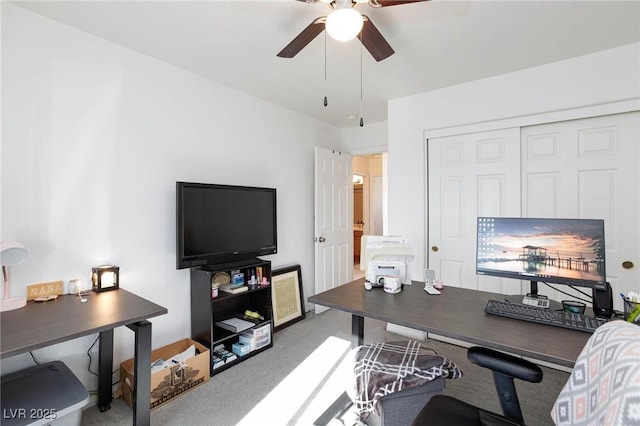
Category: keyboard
<point>562,319</point>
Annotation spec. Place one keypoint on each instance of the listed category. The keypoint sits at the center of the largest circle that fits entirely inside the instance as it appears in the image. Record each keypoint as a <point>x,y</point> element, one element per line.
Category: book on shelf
<point>217,362</point>
<point>234,289</point>
<point>235,325</point>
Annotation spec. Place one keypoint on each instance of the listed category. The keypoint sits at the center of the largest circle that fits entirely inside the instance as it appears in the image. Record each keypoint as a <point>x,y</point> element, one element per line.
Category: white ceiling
<point>437,44</point>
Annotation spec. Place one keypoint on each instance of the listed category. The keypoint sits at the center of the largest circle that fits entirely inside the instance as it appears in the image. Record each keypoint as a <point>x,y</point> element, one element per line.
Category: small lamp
<point>11,253</point>
<point>105,277</point>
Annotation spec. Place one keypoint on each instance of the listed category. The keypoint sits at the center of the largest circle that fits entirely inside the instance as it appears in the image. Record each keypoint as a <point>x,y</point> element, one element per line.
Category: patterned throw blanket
<point>384,368</point>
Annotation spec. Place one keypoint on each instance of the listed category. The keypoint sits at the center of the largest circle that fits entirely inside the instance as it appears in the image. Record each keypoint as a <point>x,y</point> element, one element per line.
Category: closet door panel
<point>469,176</point>
<point>588,168</point>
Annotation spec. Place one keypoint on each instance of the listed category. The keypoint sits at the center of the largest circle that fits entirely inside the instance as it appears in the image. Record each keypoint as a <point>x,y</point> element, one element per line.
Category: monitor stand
<point>517,298</point>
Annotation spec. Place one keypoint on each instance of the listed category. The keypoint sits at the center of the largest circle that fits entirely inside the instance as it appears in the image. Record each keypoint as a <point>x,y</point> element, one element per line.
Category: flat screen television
<point>223,223</point>
<point>561,251</point>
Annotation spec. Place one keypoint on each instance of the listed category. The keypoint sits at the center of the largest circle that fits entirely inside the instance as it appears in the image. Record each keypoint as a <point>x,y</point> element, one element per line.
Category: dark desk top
<point>43,324</point>
<point>459,314</point>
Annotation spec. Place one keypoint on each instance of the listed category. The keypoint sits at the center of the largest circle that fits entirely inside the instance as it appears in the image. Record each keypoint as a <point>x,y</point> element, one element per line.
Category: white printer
<point>385,256</point>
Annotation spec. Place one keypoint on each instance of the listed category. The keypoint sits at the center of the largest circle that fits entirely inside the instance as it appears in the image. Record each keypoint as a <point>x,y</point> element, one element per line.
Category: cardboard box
<point>169,383</point>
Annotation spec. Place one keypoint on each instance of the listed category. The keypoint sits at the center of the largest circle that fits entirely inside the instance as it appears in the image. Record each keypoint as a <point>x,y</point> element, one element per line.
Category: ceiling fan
<point>344,15</point>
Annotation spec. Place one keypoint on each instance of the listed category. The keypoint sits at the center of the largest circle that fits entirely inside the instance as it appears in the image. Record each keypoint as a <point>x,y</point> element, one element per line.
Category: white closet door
<point>589,169</point>
<point>469,176</point>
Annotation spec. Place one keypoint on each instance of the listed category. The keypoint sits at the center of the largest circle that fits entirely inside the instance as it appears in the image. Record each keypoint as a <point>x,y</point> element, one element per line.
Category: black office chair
<point>607,367</point>
<point>447,411</point>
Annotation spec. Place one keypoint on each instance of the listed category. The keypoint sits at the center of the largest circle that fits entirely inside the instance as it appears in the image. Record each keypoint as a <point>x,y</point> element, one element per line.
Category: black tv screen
<point>562,251</point>
<point>223,223</point>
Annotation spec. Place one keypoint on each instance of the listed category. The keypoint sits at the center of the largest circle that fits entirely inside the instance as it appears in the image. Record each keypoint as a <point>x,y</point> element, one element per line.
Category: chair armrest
<point>505,364</point>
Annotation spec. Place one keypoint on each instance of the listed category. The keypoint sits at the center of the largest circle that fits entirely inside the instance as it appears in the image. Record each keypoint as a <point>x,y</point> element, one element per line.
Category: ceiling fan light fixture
<point>344,24</point>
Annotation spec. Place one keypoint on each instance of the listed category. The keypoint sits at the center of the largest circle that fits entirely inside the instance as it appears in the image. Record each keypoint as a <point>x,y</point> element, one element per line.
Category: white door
<point>589,169</point>
<point>468,176</point>
<point>333,220</point>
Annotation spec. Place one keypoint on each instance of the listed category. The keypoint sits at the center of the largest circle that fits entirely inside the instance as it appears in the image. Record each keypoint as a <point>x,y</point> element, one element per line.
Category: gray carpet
<point>293,382</point>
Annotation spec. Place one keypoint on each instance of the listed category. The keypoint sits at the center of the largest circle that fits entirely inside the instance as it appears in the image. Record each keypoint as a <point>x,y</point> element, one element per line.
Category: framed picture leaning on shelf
<point>286,296</point>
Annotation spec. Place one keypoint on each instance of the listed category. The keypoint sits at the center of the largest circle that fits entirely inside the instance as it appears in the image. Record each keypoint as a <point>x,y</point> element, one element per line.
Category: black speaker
<point>603,302</point>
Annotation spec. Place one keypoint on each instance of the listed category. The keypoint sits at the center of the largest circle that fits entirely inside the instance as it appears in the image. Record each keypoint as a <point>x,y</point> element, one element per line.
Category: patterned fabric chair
<point>603,388</point>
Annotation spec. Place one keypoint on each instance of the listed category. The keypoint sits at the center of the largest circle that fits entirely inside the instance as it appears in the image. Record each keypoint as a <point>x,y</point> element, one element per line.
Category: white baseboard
<point>550,365</point>
<point>468,345</point>
<point>421,335</point>
<point>406,331</point>
<point>449,340</point>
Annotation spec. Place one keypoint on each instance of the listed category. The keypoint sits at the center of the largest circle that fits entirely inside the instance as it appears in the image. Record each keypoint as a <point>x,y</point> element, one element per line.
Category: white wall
<point>588,82</point>
<point>94,137</point>
<point>369,139</point>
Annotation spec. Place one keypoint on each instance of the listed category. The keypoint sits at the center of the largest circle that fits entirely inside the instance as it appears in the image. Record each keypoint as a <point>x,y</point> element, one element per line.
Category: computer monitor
<point>561,251</point>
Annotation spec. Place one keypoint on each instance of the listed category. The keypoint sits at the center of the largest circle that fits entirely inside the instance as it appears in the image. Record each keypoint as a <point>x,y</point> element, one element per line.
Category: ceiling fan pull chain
<point>361,44</point>
<point>325,70</point>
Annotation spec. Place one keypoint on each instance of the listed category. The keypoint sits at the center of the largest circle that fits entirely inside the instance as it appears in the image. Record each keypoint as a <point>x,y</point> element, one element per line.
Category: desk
<point>42,324</point>
<point>457,313</point>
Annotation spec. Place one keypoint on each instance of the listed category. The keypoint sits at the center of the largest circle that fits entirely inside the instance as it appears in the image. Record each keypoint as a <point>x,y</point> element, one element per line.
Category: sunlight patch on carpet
<point>307,391</point>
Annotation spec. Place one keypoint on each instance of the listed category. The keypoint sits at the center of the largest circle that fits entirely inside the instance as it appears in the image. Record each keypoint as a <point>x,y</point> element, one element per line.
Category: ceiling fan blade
<point>374,41</point>
<point>302,39</point>
<point>385,3</point>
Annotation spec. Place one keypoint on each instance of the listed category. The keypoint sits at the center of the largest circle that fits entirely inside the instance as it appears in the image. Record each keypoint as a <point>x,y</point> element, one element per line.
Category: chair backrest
<point>604,386</point>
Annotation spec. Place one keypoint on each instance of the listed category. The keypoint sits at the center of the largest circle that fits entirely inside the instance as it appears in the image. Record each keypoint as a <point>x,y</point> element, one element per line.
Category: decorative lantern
<point>105,277</point>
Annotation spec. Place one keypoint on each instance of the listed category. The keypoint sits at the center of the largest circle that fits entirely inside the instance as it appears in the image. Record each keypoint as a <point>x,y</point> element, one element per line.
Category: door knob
<point>322,239</point>
<point>434,248</point>
<point>627,264</point>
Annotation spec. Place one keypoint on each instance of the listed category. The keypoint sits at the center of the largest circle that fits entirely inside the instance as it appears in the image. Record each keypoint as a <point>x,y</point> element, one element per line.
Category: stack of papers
<point>177,359</point>
<point>233,289</point>
<point>235,325</point>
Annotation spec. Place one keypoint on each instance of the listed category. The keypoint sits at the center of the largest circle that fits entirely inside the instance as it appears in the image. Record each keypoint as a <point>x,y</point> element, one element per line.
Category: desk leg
<point>357,330</point>
<point>142,373</point>
<point>105,368</point>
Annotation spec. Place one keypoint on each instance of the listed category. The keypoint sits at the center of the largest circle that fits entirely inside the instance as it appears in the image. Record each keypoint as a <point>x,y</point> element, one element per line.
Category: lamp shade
<point>105,277</point>
<point>344,24</point>
<point>12,253</point>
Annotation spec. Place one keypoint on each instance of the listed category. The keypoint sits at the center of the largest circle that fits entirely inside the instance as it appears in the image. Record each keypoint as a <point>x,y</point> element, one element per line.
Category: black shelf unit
<point>206,311</point>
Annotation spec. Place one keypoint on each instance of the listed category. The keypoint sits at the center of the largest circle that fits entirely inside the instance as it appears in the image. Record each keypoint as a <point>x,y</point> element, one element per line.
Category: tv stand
<point>533,293</point>
<point>207,310</point>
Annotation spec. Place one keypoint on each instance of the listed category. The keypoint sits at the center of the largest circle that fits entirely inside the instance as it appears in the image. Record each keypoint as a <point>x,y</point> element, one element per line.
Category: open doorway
<point>369,183</point>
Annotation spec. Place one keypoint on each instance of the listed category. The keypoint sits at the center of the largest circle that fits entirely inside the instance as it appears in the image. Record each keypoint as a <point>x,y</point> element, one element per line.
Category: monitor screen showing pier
<point>564,251</point>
